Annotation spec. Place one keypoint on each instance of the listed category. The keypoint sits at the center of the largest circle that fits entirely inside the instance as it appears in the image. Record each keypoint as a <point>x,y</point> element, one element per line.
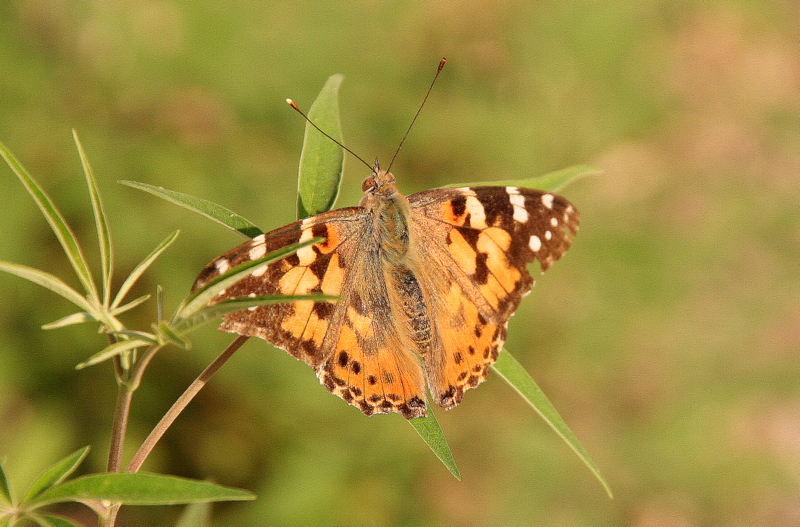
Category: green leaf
<point>112,350</point>
<point>60,228</point>
<point>140,489</point>
<point>159,303</point>
<point>552,182</point>
<point>201,206</point>
<point>429,430</point>
<point>49,520</point>
<point>55,474</point>
<point>5,490</point>
<point>130,305</point>
<point>202,296</point>
<point>232,305</point>
<point>142,267</point>
<point>132,333</point>
<point>195,515</point>
<point>83,317</point>
<point>69,320</point>
<point>50,282</point>
<point>169,334</point>
<point>515,375</point>
<point>321,160</point>
<point>101,222</point>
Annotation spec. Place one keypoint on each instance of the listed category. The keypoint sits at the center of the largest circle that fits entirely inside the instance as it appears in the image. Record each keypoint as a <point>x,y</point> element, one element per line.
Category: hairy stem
<point>179,405</point>
<point>120,423</point>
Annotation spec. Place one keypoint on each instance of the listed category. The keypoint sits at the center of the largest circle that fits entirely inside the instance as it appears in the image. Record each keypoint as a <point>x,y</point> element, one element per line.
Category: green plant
<point>131,351</point>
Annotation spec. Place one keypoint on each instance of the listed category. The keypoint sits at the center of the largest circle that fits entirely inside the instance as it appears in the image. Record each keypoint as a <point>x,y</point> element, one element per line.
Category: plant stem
<point>179,405</point>
<point>120,422</point>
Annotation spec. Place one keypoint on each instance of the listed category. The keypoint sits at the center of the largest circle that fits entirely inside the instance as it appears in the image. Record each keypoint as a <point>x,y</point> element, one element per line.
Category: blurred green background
<point>668,336</point>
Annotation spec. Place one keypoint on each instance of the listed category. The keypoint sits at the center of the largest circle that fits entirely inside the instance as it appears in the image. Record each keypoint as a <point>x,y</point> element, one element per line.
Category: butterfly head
<point>379,184</point>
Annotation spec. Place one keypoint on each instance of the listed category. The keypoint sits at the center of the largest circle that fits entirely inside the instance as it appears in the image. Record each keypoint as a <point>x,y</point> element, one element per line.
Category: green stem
<point>118,431</point>
<point>120,422</point>
<point>179,405</point>
<point>121,412</point>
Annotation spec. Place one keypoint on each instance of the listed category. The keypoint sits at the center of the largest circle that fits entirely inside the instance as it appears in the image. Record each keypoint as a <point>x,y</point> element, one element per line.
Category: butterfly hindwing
<point>483,238</point>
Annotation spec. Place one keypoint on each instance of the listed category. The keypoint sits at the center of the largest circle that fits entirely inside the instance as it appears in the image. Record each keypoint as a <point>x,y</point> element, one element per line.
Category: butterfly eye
<point>368,184</point>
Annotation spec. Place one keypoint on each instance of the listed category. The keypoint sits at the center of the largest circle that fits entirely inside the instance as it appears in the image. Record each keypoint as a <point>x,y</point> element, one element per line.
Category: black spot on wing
<point>458,206</point>
<point>324,310</point>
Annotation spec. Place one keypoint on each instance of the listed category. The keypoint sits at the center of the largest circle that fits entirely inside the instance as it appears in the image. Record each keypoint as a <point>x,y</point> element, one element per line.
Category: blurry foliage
<point>667,337</point>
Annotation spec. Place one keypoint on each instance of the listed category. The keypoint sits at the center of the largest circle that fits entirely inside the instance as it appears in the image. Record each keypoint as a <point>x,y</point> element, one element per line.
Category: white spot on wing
<point>222,265</point>
<point>547,200</point>
<point>257,251</point>
<point>259,271</point>
<point>548,235</point>
<point>535,243</point>
<point>477,216</point>
<point>252,308</point>
<point>518,202</point>
<point>306,254</point>
<point>554,221</point>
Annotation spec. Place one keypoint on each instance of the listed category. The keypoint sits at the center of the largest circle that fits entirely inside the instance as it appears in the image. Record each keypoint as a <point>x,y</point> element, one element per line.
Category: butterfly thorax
<point>390,211</point>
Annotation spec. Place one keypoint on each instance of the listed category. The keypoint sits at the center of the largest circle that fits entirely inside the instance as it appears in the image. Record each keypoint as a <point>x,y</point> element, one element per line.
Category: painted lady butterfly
<point>427,285</point>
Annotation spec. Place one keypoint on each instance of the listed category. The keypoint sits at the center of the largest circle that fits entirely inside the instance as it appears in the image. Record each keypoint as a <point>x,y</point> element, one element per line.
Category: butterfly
<point>426,283</point>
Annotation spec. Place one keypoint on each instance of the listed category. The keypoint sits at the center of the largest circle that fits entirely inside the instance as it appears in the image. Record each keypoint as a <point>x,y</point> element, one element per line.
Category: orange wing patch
<point>469,345</point>
<point>370,369</point>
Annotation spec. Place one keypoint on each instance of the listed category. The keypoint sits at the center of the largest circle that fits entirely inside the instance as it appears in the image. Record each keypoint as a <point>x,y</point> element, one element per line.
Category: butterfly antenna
<point>438,70</point>
<point>320,130</point>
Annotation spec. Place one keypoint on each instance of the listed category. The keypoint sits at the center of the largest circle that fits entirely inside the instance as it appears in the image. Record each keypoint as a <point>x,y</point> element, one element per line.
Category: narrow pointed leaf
<point>429,430</point>
<point>69,320</point>
<point>141,268</point>
<point>49,520</point>
<point>50,282</point>
<point>130,305</point>
<point>150,338</point>
<point>201,206</point>
<point>140,489</point>
<point>515,375</point>
<point>321,160</point>
<point>100,221</point>
<point>5,490</point>
<point>55,474</point>
<point>198,299</point>
<point>169,334</point>
<point>232,305</point>
<point>112,350</point>
<point>159,303</point>
<point>57,223</point>
<point>552,182</point>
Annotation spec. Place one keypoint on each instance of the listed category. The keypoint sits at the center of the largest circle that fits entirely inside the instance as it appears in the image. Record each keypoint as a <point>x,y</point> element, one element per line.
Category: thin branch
<point>122,408</point>
<point>179,405</point>
<point>121,412</point>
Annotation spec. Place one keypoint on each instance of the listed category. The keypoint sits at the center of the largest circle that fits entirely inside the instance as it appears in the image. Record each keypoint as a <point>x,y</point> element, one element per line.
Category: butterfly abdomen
<point>415,311</point>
